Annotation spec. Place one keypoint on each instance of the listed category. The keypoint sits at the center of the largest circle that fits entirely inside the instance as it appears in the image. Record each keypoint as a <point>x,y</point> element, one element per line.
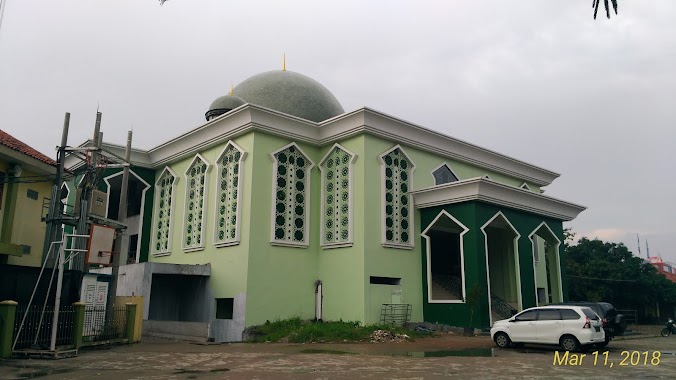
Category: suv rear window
<point>590,314</point>
<point>569,314</point>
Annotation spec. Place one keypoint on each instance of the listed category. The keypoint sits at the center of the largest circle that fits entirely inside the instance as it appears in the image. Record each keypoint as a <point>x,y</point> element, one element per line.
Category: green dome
<point>291,93</point>
<point>222,105</point>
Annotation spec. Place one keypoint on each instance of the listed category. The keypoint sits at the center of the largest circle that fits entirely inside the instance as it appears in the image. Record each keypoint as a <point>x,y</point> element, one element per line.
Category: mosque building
<point>283,204</point>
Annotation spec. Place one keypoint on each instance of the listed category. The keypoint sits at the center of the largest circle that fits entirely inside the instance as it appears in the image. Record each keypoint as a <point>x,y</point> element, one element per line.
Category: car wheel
<point>502,340</point>
<point>665,332</point>
<point>569,343</point>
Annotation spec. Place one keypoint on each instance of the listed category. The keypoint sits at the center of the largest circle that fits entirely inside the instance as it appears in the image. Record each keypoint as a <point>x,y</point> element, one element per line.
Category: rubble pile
<point>385,336</point>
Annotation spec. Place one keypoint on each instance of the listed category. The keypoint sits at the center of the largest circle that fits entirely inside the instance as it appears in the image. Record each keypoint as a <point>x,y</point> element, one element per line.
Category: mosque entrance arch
<point>502,266</point>
<point>547,265</point>
<point>136,195</point>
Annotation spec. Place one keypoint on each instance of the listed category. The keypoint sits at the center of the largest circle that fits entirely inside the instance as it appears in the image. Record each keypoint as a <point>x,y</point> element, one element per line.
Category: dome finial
<point>284,62</point>
<point>231,89</point>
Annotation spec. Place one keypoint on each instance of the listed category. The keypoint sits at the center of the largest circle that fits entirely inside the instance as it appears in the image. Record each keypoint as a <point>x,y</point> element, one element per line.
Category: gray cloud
<point>540,81</point>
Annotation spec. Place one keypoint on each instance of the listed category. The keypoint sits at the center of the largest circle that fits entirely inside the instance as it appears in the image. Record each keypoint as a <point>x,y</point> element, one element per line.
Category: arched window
<point>397,170</point>
<point>336,169</point>
<point>195,195</point>
<point>228,195</point>
<point>444,174</point>
<point>290,212</point>
<point>164,202</point>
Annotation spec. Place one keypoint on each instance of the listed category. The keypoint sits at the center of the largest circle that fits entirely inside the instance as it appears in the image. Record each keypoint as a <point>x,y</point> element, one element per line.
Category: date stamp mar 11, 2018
<point>596,358</point>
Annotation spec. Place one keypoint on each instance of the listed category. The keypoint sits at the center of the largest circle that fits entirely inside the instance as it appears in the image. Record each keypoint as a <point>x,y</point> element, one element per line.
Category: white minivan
<point>568,326</point>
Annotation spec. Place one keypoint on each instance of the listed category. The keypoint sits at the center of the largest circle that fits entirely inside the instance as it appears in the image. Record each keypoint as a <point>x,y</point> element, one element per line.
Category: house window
<point>290,203</point>
<point>195,194</point>
<point>336,168</point>
<point>397,169</point>
<point>228,190</point>
<point>164,199</point>
<point>225,308</point>
<point>443,174</point>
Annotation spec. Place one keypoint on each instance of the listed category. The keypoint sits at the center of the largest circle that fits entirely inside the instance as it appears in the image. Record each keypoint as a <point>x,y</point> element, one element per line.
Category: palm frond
<point>595,6</point>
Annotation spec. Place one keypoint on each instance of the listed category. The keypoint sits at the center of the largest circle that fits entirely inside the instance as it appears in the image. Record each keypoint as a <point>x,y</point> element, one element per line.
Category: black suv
<point>613,323</point>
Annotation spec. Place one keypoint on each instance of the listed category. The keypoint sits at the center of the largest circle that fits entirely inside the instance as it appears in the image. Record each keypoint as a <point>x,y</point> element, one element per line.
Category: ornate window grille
<point>164,202</point>
<point>228,195</point>
<point>336,169</point>
<point>290,212</point>
<point>195,195</point>
<point>397,171</point>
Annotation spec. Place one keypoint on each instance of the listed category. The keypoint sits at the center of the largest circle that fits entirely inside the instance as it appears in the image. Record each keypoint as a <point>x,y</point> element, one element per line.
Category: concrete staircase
<point>440,292</point>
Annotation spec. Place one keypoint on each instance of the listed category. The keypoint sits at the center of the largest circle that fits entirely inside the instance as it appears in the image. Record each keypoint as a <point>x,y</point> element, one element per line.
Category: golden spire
<point>231,89</point>
<point>284,62</point>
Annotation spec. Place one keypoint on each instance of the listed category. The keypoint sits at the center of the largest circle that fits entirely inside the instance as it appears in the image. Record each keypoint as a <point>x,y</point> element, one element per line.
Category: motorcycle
<point>670,329</point>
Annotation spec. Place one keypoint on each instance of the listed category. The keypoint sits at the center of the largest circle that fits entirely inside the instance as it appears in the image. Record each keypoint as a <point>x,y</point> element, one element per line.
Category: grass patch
<point>296,330</point>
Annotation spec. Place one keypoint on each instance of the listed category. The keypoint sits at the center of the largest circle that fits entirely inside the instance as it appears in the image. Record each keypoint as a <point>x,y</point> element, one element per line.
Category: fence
<point>104,325</point>
<point>36,332</point>
<point>399,314</point>
<point>631,318</point>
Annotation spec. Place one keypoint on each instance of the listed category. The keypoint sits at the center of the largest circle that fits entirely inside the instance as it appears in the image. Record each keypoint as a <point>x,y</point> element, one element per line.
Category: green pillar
<point>78,329</point>
<point>7,315</point>
<point>131,321</point>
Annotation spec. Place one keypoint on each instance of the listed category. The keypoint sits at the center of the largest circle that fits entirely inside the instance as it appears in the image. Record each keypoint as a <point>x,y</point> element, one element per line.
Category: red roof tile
<point>11,142</point>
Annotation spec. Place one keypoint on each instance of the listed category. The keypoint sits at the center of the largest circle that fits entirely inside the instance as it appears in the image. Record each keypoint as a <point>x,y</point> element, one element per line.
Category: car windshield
<point>590,314</point>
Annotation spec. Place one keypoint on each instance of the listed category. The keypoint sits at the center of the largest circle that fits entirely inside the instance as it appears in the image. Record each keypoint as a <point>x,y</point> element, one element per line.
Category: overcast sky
<point>540,81</point>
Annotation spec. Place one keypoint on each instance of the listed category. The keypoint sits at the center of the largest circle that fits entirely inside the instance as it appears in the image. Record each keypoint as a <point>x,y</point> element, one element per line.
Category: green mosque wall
<point>474,215</point>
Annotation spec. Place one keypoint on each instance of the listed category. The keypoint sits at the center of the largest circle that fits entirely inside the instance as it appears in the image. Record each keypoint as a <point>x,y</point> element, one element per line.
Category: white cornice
<point>479,189</point>
<point>249,117</point>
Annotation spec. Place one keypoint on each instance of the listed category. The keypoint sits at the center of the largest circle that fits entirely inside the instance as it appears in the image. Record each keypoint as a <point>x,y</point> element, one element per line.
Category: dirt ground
<point>448,356</point>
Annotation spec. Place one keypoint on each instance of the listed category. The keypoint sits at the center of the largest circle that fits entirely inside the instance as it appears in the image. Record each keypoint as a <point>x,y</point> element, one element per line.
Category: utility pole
<point>55,206</point>
<point>121,249</point>
<point>86,191</point>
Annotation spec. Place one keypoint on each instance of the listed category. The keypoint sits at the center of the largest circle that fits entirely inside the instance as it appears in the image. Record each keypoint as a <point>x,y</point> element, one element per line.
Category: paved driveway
<point>434,358</point>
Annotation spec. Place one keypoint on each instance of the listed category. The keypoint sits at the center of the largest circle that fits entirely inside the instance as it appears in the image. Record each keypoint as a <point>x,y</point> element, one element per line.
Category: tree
<point>595,5</point>
<point>601,271</point>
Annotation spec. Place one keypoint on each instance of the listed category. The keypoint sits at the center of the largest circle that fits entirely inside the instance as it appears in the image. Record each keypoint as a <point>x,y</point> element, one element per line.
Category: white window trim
<point>156,209</point>
<point>143,205</point>
<point>558,257</point>
<point>525,186</point>
<point>204,206</point>
<point>516,259</point>
<point>350,239</point>
<point>238,213</point>
<point>428,245</point>
<point>383,227</point>
<point>306,241</point>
